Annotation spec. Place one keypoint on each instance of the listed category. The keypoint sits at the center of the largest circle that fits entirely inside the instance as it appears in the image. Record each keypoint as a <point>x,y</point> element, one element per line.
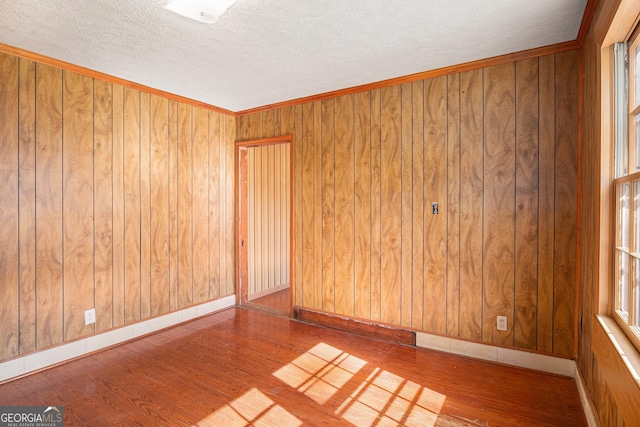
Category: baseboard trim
<point>268,291</point>
<point>357,326</point>
<point>587,405</point>
<point>506,356</point>
<point>40,360</point>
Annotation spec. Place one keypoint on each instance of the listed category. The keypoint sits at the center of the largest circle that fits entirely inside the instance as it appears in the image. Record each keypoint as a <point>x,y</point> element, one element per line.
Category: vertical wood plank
<point>200,205</point>
<point>453,204</point>
<point>185,202</point>
<point>417,288</point>
<point>145,207</point>
<point>344,204</point>
<point>265,252</point>
<point>318,207</point>
<point>499,201</point>
<point>435,190</point>
<point>251,214</point>
<point>566,164</point>
<point>214,204</point>
<point>160,206</point>
<point>132,204</point>
<point>27,203</point>
<point>277,212</point>
<point>391,204</point>
<point>546,227</point>
<point>297,189</point>
<point>118,206</point>
<point>362,208</point>
<point>376,187</point>
<point>49,265</point>
<point>471,196</point>
<point>287,125</point>
<point>9,224</point>
<point>269,208</point>
<point>328,205</point>
<point>526,253</point>
<point>229,200</point>
<point>259,234</point>
<point>406,261</point>
<point>79,291</point>
<point>174,276</point>
<point>308,204</point>
<point>103,202</point>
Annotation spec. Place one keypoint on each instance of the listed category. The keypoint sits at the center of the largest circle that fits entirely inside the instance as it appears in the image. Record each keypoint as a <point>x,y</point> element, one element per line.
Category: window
<point>626,292</point>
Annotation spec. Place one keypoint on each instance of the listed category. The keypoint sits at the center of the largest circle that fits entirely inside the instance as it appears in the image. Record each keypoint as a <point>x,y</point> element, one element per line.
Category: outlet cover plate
<point>502,323</point>
<point>90,316</point>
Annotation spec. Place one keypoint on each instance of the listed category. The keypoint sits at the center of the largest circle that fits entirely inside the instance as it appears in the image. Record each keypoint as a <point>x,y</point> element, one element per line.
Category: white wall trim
<point>585,399</point>
<point>67,351</point>
<point>268,291</point>
<point>507,356</point>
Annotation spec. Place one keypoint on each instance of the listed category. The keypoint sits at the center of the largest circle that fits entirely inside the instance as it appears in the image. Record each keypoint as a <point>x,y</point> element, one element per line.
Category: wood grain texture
<point>174,276</point>
<point>328,206</point>
<point>214,205</point>
<point>9,218</point>
<point>185,204</point>
<point>200,205</point>
<point>390,204</point>
<point>91,204</point>
<point>145,207</point>
<point>77,202</point>
<point>118,207</point>
<point>132,251</point>
<point>453,205</point>
<point>309,258</point>
<point>417,278</point>
<point>527,196</point>
<point>546,188</point>
<point>435,191</point>
<point>499,201</point>
<point>297,197</point>
<point>103,202</point>
<point>406,261</point>
<point>227,200</point>
<point>344,204</point>
<point>27,203</point>
<point>564,290</point>
<point>471,203</point>
<point>376,204</point>
<point>318,207</point>
<point>160,207</point>
<point>362,208</point>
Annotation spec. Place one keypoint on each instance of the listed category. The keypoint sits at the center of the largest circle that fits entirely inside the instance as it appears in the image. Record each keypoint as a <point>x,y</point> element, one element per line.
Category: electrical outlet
<point>502,323</point>
<point>90,316</point>
<point>434,208</point>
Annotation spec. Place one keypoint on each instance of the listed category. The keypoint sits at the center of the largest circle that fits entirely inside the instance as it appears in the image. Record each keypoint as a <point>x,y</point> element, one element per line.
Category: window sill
<point>620,363</point>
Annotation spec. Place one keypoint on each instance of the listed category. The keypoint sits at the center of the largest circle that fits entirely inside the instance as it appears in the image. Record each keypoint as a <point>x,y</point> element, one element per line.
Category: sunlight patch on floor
<point>320,372</point>
<point>252,408</point>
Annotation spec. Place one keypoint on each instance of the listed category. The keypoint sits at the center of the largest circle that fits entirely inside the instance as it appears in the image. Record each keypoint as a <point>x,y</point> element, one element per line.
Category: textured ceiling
<point>266,51</point>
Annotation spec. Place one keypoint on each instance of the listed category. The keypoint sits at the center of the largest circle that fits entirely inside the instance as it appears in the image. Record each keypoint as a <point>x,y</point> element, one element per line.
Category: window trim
<point>627,321</point>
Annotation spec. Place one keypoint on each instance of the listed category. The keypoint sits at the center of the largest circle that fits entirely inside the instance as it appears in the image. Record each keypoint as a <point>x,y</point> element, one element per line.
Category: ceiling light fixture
<point>207,11</point>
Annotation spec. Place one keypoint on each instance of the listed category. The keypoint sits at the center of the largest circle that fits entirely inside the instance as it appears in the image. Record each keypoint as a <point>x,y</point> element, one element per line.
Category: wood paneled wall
<point>268,207</point>
<point>111,198</point>
<point>496,148</point>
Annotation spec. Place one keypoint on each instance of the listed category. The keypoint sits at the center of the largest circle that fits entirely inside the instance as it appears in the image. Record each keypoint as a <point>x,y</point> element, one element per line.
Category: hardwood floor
<point>276,303</point>
<point>246,367</point>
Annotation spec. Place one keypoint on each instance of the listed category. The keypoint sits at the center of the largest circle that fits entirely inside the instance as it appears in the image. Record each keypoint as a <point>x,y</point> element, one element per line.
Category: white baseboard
<point>507,356</point>
<point>42,359</point>
<point>589,413</point>
<point>269,291</point>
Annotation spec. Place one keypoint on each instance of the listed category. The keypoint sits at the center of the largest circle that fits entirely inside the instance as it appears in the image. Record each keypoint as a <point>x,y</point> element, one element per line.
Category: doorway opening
<point>264,224</point>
